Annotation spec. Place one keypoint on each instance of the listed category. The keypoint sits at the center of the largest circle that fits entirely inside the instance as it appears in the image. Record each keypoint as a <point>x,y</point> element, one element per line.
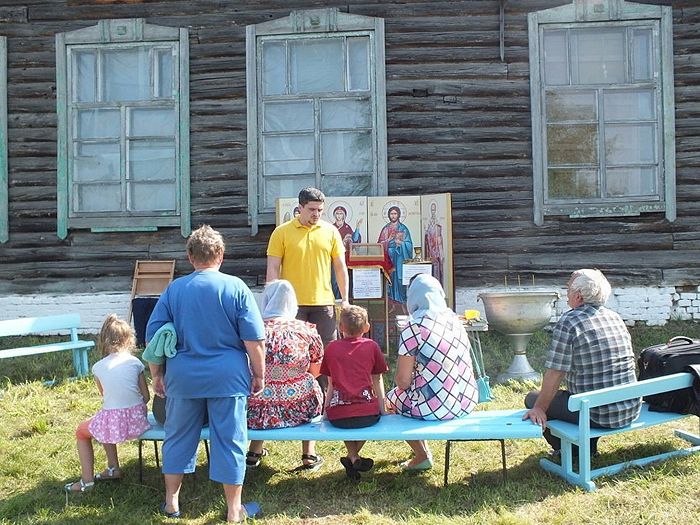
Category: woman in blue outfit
<point>218,363</point>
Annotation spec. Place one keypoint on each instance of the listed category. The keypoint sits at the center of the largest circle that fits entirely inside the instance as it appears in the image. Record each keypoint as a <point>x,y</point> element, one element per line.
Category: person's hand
<point>537,416</point>
<point>158,386</point>
<point>257,386</point>
<point>344,303</point>
<point>358,224</point>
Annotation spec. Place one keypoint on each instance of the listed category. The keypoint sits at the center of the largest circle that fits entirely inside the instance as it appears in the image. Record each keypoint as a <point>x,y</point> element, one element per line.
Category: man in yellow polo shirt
<point>301,251</point>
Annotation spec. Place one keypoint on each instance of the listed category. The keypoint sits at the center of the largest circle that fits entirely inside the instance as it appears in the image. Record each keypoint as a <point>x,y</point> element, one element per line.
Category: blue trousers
<point>228,434</point>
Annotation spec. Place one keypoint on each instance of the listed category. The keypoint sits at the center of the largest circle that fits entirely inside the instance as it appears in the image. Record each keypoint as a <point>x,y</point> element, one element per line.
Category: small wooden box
<point>366,253</point>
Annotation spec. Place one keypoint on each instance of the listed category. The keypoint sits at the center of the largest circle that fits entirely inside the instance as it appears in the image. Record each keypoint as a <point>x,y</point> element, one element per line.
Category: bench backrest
<point>614,394</point>
<point>35,325</point>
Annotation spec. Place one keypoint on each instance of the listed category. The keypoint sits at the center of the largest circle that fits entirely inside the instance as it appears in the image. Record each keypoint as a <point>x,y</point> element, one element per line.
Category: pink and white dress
<point>123,413</point>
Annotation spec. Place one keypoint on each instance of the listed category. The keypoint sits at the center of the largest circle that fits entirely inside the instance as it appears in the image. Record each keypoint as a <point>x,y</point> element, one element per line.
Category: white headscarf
<point>279,300</point>
<point>425,297</point>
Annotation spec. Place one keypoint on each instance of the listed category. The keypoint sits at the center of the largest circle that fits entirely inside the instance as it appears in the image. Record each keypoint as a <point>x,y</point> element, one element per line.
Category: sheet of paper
<point>411,269</point>
<point>367,283</point>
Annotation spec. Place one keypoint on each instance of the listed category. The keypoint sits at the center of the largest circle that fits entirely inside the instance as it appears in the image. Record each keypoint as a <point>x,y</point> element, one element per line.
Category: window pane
<point>274,71</point>
<point>151,160</point>
<point>285,188</point>
<point>346,185</point>
<point>598,56</point>
<point>288,116</point>
<point>152,197</point>
<point>629,105</point>
<point>556,60</point>
<point>642,68</point>
<point>96,162</point>
<point>153,122</point>
<point>165,73</point>
<point>358,63</point>
<point>572,183</point>
<point>572,144</point>
<point>317,65</point>
<point>624,182</point>
<point>97,197</point>
<point>288,155</point>
<point>85,74</point>
<point>346,114</point>
<point>346,152</point>
<point>571,106</point>
<point>633,144</point>
<point>126,74</point>
<point>98,123</point>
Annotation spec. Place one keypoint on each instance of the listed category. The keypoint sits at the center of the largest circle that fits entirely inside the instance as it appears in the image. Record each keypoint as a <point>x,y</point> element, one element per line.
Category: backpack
<point>670,358</point>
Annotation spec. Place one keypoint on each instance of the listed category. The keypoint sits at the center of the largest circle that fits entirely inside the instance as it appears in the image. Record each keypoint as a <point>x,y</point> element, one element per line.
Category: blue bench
<point>484,425</point>
<point>580,435</point>
<point>50,323</point>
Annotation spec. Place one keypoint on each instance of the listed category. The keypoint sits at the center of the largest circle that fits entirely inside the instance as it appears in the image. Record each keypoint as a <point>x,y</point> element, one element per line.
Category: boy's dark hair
<point>354,320</point>
<point>311,194</point>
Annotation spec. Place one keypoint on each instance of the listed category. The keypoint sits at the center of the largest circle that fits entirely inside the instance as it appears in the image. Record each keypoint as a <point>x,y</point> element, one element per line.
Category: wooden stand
<point>150,279</point>
<point>368,302</point>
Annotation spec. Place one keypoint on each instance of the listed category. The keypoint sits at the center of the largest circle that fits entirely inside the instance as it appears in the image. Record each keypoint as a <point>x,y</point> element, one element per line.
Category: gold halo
<point>390,204</point>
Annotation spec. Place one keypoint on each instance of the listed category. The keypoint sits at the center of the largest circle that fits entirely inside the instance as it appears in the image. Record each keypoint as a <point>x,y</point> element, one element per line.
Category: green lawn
<point>37,457</point>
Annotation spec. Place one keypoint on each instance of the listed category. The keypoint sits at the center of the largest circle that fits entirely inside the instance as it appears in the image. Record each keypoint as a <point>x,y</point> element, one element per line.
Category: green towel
<point>161,345</point>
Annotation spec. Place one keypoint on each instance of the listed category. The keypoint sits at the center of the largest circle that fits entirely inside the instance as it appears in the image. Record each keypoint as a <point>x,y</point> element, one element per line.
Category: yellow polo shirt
<point>306,259</point>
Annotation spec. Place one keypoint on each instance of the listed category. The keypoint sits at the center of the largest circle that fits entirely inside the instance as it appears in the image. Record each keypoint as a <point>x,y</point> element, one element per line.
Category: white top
<point>119,375</point>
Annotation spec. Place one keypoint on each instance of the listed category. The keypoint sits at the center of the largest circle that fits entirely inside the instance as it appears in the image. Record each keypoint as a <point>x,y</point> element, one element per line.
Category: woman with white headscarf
<point>434,375</point>
<point>293,355</point>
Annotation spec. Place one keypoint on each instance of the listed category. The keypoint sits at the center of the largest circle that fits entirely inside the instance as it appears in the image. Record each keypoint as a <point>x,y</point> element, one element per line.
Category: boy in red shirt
<point>355,398</point>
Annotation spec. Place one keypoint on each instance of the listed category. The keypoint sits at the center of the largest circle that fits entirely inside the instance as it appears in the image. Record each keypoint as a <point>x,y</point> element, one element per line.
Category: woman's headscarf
<point>425,297</point>
<point>279,300</point>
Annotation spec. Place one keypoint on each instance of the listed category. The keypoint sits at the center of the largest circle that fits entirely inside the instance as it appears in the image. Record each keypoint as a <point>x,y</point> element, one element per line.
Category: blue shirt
<point>213,314</point>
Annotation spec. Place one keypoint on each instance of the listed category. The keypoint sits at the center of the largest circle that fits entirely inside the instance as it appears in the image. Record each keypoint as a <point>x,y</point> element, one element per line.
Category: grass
<point>37,457</point>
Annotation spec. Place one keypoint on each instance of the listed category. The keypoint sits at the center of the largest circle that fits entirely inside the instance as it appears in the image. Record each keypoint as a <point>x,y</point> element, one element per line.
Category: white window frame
<point>620,14</point>
<point>314,22</point>
<point>116,33</point>
<point>4,181</point>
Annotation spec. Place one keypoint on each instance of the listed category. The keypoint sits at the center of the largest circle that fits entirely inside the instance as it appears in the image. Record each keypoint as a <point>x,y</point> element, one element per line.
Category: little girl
<point>120,380</point>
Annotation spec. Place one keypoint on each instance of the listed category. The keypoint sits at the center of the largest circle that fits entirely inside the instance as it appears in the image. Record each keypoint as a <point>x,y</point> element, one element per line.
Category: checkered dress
<point>593,346</point>
<point>443,386</point>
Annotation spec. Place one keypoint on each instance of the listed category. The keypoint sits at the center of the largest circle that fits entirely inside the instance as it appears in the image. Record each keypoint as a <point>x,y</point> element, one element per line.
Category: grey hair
<point>592,285</point>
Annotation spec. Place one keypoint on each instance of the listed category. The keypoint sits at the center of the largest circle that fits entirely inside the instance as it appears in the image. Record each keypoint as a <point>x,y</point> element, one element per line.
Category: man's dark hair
<point>311,194</point>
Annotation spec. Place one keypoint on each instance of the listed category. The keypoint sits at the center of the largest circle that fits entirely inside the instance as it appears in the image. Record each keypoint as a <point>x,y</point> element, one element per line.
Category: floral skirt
<point>115,425</point>
<point>285,405</point>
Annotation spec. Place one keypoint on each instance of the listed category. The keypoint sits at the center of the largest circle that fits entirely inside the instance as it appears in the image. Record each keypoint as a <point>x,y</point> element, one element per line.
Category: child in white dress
<point>121,381</point>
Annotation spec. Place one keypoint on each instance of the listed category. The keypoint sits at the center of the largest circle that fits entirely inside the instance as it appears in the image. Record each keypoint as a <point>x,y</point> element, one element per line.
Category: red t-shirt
<point>350,363</point>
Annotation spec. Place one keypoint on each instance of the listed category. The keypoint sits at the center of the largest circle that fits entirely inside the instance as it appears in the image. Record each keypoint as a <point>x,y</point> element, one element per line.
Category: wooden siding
<point>458,120</point>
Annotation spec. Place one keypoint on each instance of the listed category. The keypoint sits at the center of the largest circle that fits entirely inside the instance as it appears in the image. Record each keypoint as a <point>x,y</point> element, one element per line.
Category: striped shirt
<point>593,346</point>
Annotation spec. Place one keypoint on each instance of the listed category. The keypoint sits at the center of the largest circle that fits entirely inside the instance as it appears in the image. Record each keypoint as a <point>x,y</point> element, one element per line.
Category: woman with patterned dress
<point>434,374</point>
<point>293,355</point>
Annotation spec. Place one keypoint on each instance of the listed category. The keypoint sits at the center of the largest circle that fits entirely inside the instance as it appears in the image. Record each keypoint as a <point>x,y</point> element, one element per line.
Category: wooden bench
<point>485,425</point>
<point>51,323</point>
<point>580,435</point>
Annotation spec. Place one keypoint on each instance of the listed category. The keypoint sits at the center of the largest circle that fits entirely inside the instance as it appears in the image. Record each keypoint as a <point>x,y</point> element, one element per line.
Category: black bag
<point>665,359</point>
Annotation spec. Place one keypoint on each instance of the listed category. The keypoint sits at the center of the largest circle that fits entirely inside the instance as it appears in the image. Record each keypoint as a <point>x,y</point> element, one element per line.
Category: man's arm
<point>550,385</point>
<point>341,276</point>
<point>274,265</point>
<point>256,355</point>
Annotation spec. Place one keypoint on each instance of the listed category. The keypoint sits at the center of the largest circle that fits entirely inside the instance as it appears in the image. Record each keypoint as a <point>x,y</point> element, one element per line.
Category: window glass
<point>629,182</point>
<point>570,106</point>
<point>288,116</point>
<point>642,68</point>
<point>358,64</point>
<point>598,56</point>
<point>274,70</point>
<point>345,185</point>
<point>147,197</point>
<point>84,65</point>
<point>288,155</point>
<point>629,105</point>
<point>97,198</point>
<point>99,123</point>
<point>572,144</point>
<point>96,161</point>
<point>556,60</point>
<point>630,144</point>
<point>317,65</point>
<point>151,160</point>
<point>157,122</point>
<point>165,73</point>
<point>126,75</point>
<point>285,187</point>
<point>572,183</point>
<point>343,152</point>
<point>348,113</point>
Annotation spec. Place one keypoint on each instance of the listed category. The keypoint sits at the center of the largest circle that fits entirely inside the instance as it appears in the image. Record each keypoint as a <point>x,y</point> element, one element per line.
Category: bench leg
<point>155,450</point>
<point>140,461</point>
<point>447,462</point>
<point>206,449</point>
<point>503,460</point>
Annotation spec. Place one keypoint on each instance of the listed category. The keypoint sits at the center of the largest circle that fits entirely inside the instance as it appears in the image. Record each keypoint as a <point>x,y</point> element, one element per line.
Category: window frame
<point>108,34</point>
<point>312,23</point>
<point>4,179</point>
<point>610,13</point>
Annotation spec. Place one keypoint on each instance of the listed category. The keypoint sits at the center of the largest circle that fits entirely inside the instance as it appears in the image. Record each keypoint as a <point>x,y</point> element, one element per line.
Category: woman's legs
<point>421,452</point>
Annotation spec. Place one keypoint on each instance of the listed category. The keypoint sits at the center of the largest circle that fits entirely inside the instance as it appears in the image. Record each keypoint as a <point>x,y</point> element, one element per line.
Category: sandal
<point>363,464</point>
<point>350,470</point>
<point>316,462</point>
<point>175,514</point>
<point>109,474</point>
<point>253,459</point>
<point>82,486</point>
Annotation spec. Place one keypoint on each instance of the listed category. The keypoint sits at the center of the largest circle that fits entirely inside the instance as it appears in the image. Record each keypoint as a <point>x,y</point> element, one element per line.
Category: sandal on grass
<point>363,464</point>
<point>350,470</point>
<point>253,459</point>
<point>315,463</point>
<point>175,514</point>
<point>109,474</point>
<point>79,486</point>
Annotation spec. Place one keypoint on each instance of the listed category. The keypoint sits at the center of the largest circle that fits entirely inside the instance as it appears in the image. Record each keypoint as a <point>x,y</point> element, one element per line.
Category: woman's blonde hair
<point>116,335</point>
<point>205,244</point>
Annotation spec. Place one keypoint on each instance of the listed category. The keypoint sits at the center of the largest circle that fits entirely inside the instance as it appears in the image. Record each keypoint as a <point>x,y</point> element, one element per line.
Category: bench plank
<point>44,349</point>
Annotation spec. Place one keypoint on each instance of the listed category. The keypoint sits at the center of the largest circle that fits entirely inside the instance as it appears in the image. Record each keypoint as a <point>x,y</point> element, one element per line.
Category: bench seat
<point>482,425</point>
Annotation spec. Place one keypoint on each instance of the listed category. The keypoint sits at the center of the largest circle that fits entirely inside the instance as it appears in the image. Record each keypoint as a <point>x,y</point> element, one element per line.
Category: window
<point>602,110</point>
<point>4,187</point>
<point>316,108</point>
<point>123,128</point>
